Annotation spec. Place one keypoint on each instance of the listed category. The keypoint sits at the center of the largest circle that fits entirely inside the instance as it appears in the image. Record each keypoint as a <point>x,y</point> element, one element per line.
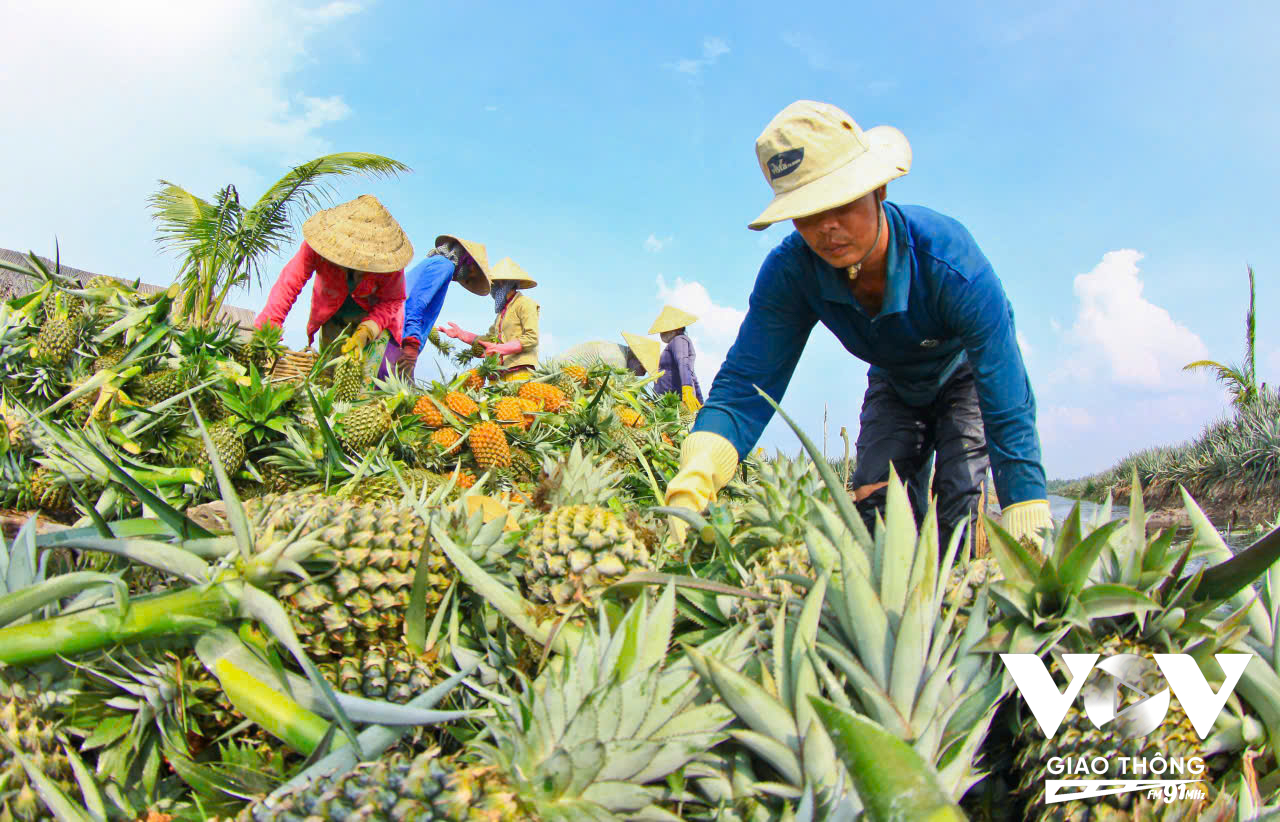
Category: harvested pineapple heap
<point>459,602</point>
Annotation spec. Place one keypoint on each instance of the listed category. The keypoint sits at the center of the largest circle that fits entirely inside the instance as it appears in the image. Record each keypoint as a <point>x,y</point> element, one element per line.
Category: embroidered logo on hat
<point>783,163</point>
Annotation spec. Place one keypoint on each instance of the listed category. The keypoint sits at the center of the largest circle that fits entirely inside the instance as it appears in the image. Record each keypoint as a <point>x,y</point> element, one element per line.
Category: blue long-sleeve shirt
<point>676,364</point>
<point>943,305</point>
<point>429,281</point>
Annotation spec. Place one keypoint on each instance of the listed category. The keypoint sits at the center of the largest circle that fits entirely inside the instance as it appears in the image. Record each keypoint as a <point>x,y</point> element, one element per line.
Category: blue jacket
<point>429,280</point>
<point>943,305</point>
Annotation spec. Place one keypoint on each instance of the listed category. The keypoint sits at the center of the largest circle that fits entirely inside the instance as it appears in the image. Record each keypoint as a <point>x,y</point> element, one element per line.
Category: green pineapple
<point>387,487</point>
<point>382,670</point>
<point>229,446</point>
<point>109,359</point>
<point>49,490</point>
<point>580,547</point>
<point>159,386</point>
<point>349,377</point>
<point>262,349</point>
<point>365,425</point>
<point>57,336</point>
<point>29,727</point>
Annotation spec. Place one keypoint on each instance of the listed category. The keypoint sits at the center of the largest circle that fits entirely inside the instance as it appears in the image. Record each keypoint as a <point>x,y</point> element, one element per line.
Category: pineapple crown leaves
<point>610,712</point>
<point>258,407</point>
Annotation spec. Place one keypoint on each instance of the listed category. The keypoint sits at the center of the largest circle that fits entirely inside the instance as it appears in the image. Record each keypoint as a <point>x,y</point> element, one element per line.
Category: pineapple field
<point>255,584</point>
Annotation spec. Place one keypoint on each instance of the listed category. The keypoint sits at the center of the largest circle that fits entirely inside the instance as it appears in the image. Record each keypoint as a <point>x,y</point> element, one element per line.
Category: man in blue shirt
<point>452,260</point>
<point>903,288</point>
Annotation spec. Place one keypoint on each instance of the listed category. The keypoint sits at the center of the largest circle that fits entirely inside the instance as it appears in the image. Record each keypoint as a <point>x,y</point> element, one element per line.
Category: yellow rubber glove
<point>1027,519</point>
<point>707,462</point>
<point>690,401</point>
<point>365,332</point>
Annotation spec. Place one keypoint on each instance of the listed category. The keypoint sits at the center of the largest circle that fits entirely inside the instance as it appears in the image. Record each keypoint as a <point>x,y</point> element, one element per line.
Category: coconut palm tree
<point>226,243</point>
<point>1241,380</point>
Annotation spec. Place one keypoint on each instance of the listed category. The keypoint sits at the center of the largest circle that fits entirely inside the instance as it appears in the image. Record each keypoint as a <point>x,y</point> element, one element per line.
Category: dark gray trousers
<point>909,436</point>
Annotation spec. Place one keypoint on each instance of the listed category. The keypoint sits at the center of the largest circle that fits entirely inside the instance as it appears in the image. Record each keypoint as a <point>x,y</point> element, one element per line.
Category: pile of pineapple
<point>462,600</point>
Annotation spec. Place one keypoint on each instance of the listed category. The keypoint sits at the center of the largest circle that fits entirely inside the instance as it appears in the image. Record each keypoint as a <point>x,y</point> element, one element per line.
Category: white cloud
<point>1138,340</point>
<point>653,243</point>
<point>713,48</point>
<point>716,329</point>
<point>200,94</point>
<point>1025,345</point>
<point>1057,421</point>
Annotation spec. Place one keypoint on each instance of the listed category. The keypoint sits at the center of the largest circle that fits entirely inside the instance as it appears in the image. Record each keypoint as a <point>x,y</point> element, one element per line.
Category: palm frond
<point>185,221</point>
<point>1251,333</point>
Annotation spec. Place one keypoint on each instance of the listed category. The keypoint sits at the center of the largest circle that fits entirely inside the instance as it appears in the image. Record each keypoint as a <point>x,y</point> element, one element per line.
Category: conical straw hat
<point>474,284</point>
<point>360,235</point>
<point>506,269</point>
<point>646,350</point>
<point>670,319</point>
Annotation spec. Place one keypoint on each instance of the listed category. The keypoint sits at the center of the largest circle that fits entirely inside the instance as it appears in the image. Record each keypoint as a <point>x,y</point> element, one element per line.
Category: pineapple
<point>382,670</point>
<point>548,397</point>
<point>159,386</point>
<point>386,486</point>
<point>630,417</point>
<point>27,726</point>
<point>580,547</point>
<point>428,412</point>
<point>446,439</point>
<point>530,408</point>
<point>57,336</point>
<point>265,346</point>
<point>474,381</point>
<point>576,373</point>
<point>109,359</point>
<point>524,464</point>
<point>509,412</point>
<point>102,281</point>
<point>49,491</point>
<point>489,445</point>
<point>348,377</point>
<point>460,404</point>
<point>365,425</point>
<point>229,447</point>
<point>593,738</point>
<point>465,479</point>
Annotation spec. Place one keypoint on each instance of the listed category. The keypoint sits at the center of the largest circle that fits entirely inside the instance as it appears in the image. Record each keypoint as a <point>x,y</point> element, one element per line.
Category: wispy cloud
<point>713,48</point>
<point>653,243</point>
<point>331,12</point>
<point>490,108</point>
<point>815,52</point>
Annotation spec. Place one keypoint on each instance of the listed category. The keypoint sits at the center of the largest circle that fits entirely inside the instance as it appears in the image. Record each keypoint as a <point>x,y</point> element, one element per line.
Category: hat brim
<point>373,249</point>
<point>887,158</point>
<point>480,285</point>
<point>672,318</point>
<point>522,284</point>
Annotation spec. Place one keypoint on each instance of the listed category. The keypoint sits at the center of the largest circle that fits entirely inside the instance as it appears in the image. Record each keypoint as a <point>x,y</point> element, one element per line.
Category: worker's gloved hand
<point>707,462</point>
<point>690,399</point>
<point>457,333</point>
<point>365,332</point>
<point>1027,520</point>
<point>502,349</point>
<point>410,348</point>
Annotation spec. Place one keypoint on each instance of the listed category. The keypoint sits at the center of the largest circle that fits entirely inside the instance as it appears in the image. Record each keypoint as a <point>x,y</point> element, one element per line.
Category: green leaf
<point>108,731</point>
<point>1074,569</point>
<point>893,781</point>
<point>1015,562</point>
<point>1110,599</point>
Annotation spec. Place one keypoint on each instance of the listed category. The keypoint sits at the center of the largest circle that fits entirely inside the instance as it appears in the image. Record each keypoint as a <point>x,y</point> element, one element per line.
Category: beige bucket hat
<point>476,285</point>
<point>360,234</point>
<point>506,269</point>
<point>816,157</point>
<point>670,319</point>
<point>648,351</point>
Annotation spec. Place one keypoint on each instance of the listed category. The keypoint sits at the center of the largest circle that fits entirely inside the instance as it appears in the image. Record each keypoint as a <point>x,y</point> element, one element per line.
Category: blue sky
<point>1117,165</point>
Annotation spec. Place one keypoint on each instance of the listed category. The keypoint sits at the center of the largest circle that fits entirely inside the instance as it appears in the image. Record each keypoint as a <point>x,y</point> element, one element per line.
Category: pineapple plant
<point>531,765</point>
<point>263,348</point>
<point>427,411</point>
<point>460,404</point>
<point>580,547</point>
<point>489,445</point>
<point>57,336</point>
<point>548,397</point>
<point>364,426</point>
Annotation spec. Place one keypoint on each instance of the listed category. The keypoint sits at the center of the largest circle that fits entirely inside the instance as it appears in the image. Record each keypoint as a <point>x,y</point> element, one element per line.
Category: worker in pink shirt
<point>357,252</point>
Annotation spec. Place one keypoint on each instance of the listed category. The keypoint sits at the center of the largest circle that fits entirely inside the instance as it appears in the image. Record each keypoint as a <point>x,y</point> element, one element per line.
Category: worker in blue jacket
<point>905,289</point>
<point>452,260</point>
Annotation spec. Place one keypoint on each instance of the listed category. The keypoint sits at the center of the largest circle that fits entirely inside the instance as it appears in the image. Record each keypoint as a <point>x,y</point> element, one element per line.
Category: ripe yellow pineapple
<point>474,381</point>
<point>630,417</point>
<point>529,407</point>
<point>548,397</point>
<point>510,413</point>
<point>446,438</point>
<point>460,404</point>
<point>465,478</point>
<point>428,412</point>
<point>576,373</point>
<point>489,445</point>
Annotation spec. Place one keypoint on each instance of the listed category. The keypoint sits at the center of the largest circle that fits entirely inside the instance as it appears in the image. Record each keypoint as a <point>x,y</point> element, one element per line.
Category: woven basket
<point>294,365</point>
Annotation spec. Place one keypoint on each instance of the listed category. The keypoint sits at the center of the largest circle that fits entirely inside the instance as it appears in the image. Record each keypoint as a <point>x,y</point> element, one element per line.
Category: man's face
<point>842,235</point>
